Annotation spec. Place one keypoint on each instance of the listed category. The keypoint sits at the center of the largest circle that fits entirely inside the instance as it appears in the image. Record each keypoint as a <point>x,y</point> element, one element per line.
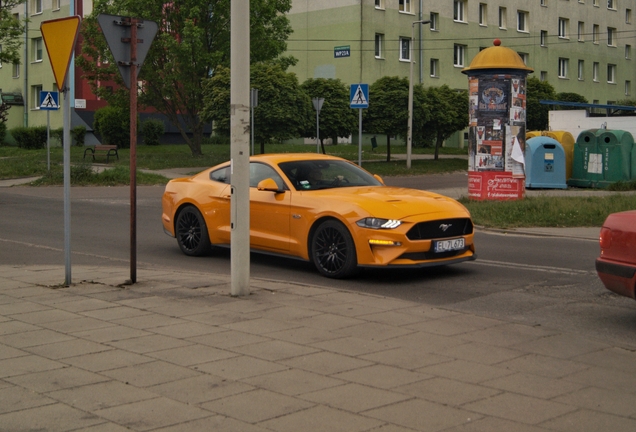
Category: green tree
<point>283,108</point>
<point>193,40</point>
<point>537,114</point>
<point>569,97</point>
<point>11,32</point>
<point>448,113</point>
<point>388,109</point>
<point>337,119</point>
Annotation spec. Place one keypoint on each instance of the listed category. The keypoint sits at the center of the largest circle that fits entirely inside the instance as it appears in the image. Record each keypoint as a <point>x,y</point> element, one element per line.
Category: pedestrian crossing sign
<point>49,100</point>
<point>359,96</point>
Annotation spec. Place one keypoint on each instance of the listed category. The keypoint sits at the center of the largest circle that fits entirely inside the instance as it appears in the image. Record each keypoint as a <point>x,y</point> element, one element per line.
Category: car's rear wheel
<point>333,251</point>
<point>192,233</point>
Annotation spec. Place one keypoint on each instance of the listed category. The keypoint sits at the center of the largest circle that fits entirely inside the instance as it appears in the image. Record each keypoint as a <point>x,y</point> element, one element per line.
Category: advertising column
<point>496,147</point>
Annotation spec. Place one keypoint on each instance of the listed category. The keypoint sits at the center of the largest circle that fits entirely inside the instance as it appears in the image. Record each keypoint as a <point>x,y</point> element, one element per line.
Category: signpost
<point>49,101</point>
<point>59,37</point>
<point>129,41</point>
<point>359,98</point>
<point>317,106</point>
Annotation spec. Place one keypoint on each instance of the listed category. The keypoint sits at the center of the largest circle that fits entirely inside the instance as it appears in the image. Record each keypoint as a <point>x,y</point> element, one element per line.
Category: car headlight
<point>377,223</point>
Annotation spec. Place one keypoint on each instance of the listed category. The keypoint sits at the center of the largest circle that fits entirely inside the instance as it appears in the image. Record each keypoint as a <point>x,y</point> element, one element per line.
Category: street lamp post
<point>409,138</point>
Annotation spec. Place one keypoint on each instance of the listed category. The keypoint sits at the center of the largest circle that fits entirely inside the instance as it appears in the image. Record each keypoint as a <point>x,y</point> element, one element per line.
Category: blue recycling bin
<point>545,164</point>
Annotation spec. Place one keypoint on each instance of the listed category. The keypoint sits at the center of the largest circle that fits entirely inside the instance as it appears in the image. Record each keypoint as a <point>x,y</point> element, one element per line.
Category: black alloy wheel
<point>192,233</point>
<point>333,251</point>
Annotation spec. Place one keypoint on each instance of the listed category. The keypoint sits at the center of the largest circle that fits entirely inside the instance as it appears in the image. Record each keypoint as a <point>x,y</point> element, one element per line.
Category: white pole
<point>359,136</point>
<point>240,147</point>
<point>66,140</point>
<point>48,140</point>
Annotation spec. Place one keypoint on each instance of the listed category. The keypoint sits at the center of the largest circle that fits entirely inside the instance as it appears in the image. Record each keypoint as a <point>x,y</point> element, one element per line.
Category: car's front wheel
<point>333,251</point>
<point>192,233</point>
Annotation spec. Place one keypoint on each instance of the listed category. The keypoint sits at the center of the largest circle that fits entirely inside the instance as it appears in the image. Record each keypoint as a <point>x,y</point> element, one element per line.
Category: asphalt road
<point>539,281</point>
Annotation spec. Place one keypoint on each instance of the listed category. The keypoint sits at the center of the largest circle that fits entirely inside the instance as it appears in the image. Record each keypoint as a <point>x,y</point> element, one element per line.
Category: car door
<point>269,211</point>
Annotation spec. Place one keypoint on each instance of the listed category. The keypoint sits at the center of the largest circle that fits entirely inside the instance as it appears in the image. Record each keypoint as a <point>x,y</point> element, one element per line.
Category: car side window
<point>260,172</point>
<point>221,175</point>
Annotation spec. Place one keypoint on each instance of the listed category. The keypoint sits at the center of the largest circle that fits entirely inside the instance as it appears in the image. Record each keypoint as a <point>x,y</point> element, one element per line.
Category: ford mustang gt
<point>322,209</point>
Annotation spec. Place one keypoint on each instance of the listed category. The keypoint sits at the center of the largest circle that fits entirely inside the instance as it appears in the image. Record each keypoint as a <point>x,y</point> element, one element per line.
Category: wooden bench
<point>110,150</point>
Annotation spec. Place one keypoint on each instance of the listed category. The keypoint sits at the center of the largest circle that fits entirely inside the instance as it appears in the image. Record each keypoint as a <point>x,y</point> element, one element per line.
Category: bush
<point>152,130</point>
<point>78,133</point>
<point>58,134</point>
<point>30,138</point>
<point>113,124</point>
<point>3,132</point>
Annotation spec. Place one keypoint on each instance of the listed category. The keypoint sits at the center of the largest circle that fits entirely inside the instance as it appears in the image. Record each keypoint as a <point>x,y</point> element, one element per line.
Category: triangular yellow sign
<point>59,37</point>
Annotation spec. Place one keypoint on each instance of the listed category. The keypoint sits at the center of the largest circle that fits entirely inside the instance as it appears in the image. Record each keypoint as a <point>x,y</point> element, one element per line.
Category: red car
<point>617,264</point>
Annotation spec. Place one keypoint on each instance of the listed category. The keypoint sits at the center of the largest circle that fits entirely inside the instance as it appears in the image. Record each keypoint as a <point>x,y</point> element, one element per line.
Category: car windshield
<point>325,174</point>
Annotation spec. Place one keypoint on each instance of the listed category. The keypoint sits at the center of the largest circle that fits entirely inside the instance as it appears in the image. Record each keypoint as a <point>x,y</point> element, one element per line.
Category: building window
<point>483,14</point>
<point>628,88</point>
<point>580,70</point>
<point>459,9</point>
<point>525,57</point>
<point>611,36</point>
<point>595,71</point>
<point>563,67</point>
<point>55,4</point>
<point>563,27</point>
<point>405,6</point>
<point>37,49</point>
<point>434,24</point>
<point>522,21</point>
<point>379,41</point>
<point>544,3</point>
<point>595,34</point>
<point>628,16</point>
<point>15,72</point>
<point>502,17</point>
<point>611,4</point>
<point>405,49</point>
<point>543,76</point>
<point>434,68</point>
<point>611,73</point>
<point>544,38</point>
<point>35,96</point>
<point>458,57</point>
<point>36,7</point>
<point>379,4</point>
<point>595,3</point>
<point>581,32</point>
<point>628,52</point>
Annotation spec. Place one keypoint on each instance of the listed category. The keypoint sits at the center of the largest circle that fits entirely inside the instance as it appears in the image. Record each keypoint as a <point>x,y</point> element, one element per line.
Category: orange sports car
<point>322,209</point>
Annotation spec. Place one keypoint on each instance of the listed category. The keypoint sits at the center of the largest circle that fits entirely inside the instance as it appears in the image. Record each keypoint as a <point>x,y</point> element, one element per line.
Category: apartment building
<point>580,46</point>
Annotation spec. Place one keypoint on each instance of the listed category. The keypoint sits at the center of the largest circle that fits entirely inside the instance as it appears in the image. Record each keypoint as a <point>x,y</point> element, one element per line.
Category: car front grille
<point>440,229</point>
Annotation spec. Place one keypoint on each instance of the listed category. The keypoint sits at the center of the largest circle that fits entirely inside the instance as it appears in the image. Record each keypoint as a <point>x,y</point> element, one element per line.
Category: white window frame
<point>37,7</point>
<point>483,14</point>
<point>459,55</point>
<point>434,24</point>
<point>434,68</point>
<point>525,57</point>
<point>595,67</point>
<point>522,21</point>
<point>611,73</point>
<point>379,4</point>
<point>459,11</point>
<point>563,67</point>
<point>543,76</point>
<point>55,5</point>
<point>611,36</point>
<point>611,4</point>
<point>628,52</point>
<point>379,43</point>
<point>503,12</point>
<point>581,70</point>
<point>596,34</point>
<point>628,16</point>
<point>15,70</point>
<point>37,46</point>
<point>405,41</point>
<point>35,96</point>
<point>404,6</point>
<point>544,3</point>
<point>628,87</point>
<point>543,38</point>
<point>564,25</point>
<point>581,31</point>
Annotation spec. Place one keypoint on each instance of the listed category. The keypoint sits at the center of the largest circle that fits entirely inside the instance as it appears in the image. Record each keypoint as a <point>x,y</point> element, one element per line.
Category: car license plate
<point>449,245</point>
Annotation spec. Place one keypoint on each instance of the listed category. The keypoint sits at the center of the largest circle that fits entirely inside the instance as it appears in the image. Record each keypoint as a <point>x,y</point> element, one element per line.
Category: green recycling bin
<point>587,167</point>
<point>616,151</point>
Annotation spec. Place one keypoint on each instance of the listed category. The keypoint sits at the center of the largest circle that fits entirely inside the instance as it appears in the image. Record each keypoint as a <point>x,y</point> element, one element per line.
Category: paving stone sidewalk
<point>175,352</point>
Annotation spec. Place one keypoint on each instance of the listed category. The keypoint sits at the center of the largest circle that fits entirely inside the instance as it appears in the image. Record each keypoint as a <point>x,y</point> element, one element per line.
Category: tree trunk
<point>388,148</point>
<point>322,146</point>
<point>438,144</point>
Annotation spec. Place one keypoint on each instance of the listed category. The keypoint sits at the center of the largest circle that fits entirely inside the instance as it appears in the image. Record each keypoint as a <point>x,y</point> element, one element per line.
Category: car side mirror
<point>378,178</point>
<point>268,185</point>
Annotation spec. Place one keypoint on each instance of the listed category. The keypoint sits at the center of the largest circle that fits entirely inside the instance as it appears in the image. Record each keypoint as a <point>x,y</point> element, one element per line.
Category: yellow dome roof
<point>497,57</point>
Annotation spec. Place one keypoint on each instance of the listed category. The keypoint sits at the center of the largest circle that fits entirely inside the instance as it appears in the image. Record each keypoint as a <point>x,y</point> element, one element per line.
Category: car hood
<point>391,202</point>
